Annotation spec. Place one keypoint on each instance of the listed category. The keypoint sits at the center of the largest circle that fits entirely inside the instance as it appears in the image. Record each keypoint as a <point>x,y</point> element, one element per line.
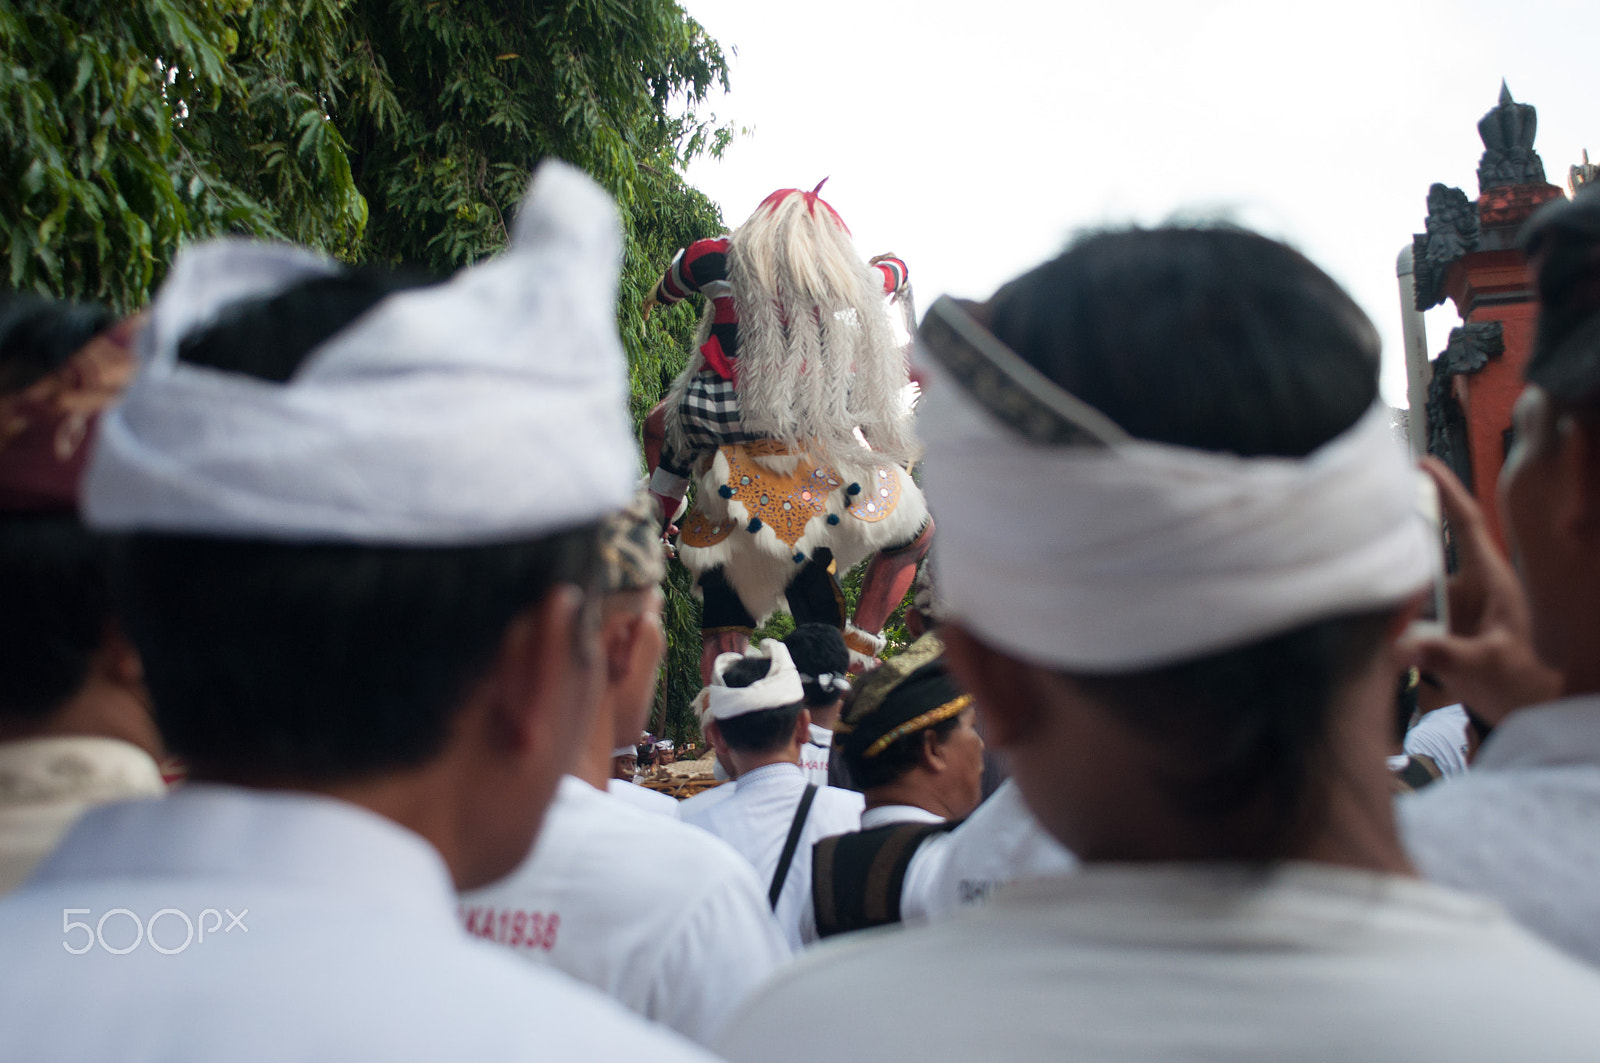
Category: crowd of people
<point>332,619</point>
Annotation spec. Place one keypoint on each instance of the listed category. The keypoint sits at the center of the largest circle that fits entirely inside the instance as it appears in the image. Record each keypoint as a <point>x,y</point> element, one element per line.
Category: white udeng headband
<point>779,687</point>
<point>1137,555</point>
<point>483,409</point>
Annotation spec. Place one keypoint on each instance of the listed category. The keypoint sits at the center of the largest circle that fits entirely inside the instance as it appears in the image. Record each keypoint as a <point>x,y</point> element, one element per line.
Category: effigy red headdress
<point>812,198</point>
<point>45,428</point>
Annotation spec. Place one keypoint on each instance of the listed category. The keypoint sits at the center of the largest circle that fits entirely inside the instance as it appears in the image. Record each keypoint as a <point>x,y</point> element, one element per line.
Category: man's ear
<point>1003,688</point>
<point>118,660</point>
<point>802,726</point>
<point>933,757</point>
<point>619,635</point>
<point>1578,454</point>
<point>540,687</point>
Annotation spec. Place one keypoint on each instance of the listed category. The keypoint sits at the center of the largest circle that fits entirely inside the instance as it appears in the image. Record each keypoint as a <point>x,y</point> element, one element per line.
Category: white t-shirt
<point>755,820</point>
<point>658,915</point>
<point>276,926</point>
<point>814,755</point>
<point>999,844</point>
<point>1442,735</point>
<point>1523,826</point>
<point>642,797</point>
<point>1156,963</point>
<point>690,807</point>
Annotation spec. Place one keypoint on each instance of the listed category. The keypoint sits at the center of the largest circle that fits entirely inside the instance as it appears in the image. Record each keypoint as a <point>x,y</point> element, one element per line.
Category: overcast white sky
<point>975,138</point>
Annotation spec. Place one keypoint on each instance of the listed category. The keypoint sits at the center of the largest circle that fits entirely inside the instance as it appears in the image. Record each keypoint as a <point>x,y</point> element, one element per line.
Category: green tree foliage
<point>400,132</point>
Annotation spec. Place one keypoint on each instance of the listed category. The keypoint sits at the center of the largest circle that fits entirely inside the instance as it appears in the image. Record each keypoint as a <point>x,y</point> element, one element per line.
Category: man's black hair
<point>38,335</point>
<point>763,731</point>
<point>1222,340</point>
<point>54,603</point>
<point>55,611</point>
<point>897,758</point>
<point>319,662</point>
<point>818,649</point>
<point>1564,240</point>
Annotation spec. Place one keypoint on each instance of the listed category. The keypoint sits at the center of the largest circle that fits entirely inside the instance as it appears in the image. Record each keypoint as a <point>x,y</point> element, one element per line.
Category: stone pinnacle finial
<point>1585,173</point>
<point>1508,132</point>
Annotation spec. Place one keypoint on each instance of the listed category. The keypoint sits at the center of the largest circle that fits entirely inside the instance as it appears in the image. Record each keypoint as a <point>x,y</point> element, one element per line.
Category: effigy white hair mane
<point>817,358</point>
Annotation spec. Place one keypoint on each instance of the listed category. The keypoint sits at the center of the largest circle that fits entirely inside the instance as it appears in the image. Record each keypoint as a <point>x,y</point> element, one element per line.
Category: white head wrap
<point>1132,555</point>
<point>488,408</point>
<point>828,683</point>
<point>624,751</point>
<point>779,687</point>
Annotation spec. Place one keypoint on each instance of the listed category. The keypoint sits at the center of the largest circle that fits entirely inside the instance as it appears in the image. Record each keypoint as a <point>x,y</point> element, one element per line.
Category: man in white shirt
<point>909,740</point>
<point>1000,844</point>
<point>359,526</point>
<point>75,724</point>
<point>821,657</point>
<point>661,916</point>
<point>643,798</point>
<point>1443,736</point>
<point>756,719</point>
<point>1521,825</point>
<point>1179,545</point>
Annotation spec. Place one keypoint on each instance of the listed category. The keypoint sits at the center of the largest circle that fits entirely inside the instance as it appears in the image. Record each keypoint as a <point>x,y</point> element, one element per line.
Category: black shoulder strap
<point>781,874</point>
<point>856,879</point>
<point>1420,771</point>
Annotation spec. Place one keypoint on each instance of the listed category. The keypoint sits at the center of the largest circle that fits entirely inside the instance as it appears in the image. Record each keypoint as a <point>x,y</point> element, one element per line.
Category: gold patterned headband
<point>927,719</point>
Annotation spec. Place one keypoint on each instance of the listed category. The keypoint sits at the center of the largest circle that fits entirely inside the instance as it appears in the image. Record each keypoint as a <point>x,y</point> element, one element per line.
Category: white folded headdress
<point>779,687</point>
<point>1073,546</point>
<point>828,682</point>
<point>488,408</point>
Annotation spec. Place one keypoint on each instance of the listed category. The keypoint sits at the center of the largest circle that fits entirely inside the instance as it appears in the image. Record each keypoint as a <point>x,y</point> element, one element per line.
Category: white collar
<point>75,768</point>
<point>821,736</point>
<point>779,776</point>
<point>883,815</point>
<point>1565,731</point>
<point>289,837</point>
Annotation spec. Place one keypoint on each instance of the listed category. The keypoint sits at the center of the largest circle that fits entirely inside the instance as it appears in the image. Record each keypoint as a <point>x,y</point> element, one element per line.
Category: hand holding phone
<point>1484,657</point>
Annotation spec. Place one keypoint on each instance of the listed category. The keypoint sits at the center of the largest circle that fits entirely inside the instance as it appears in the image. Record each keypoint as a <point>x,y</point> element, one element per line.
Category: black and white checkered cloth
<point>710,419</point>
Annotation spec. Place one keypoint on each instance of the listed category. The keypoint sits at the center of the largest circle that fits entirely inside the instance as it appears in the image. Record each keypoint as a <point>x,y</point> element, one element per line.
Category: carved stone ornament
<point>1452,232</point>
<point>1470,348</point>
<point>1508,155</point>
<point>1585,173</point>
<point>1447,429</point>
<point>1468,351</point>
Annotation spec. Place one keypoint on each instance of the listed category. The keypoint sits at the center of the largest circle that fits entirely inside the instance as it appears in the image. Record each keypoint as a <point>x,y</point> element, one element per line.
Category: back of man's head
<point>319,661</point>
<point>1563,241</point>
<point>762,731</point>
<point>820,654</point>
<point>1213,340</point>
<point>57,611</point>
<point>338,492</point>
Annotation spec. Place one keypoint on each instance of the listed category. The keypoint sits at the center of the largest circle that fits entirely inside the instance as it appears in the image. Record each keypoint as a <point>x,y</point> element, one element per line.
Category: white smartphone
<point>1435,616</point>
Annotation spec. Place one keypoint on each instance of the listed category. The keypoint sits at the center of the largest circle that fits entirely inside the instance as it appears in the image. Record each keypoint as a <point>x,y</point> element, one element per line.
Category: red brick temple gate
<point>1469,255</point>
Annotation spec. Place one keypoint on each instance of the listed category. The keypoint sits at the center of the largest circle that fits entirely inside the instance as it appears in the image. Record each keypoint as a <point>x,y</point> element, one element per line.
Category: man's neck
<point>1118,805</point>
<point>101,709</point>
<point>906,791</point>
<point>593,762</point>
<point>749,762</point>
<point>826,716</point>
